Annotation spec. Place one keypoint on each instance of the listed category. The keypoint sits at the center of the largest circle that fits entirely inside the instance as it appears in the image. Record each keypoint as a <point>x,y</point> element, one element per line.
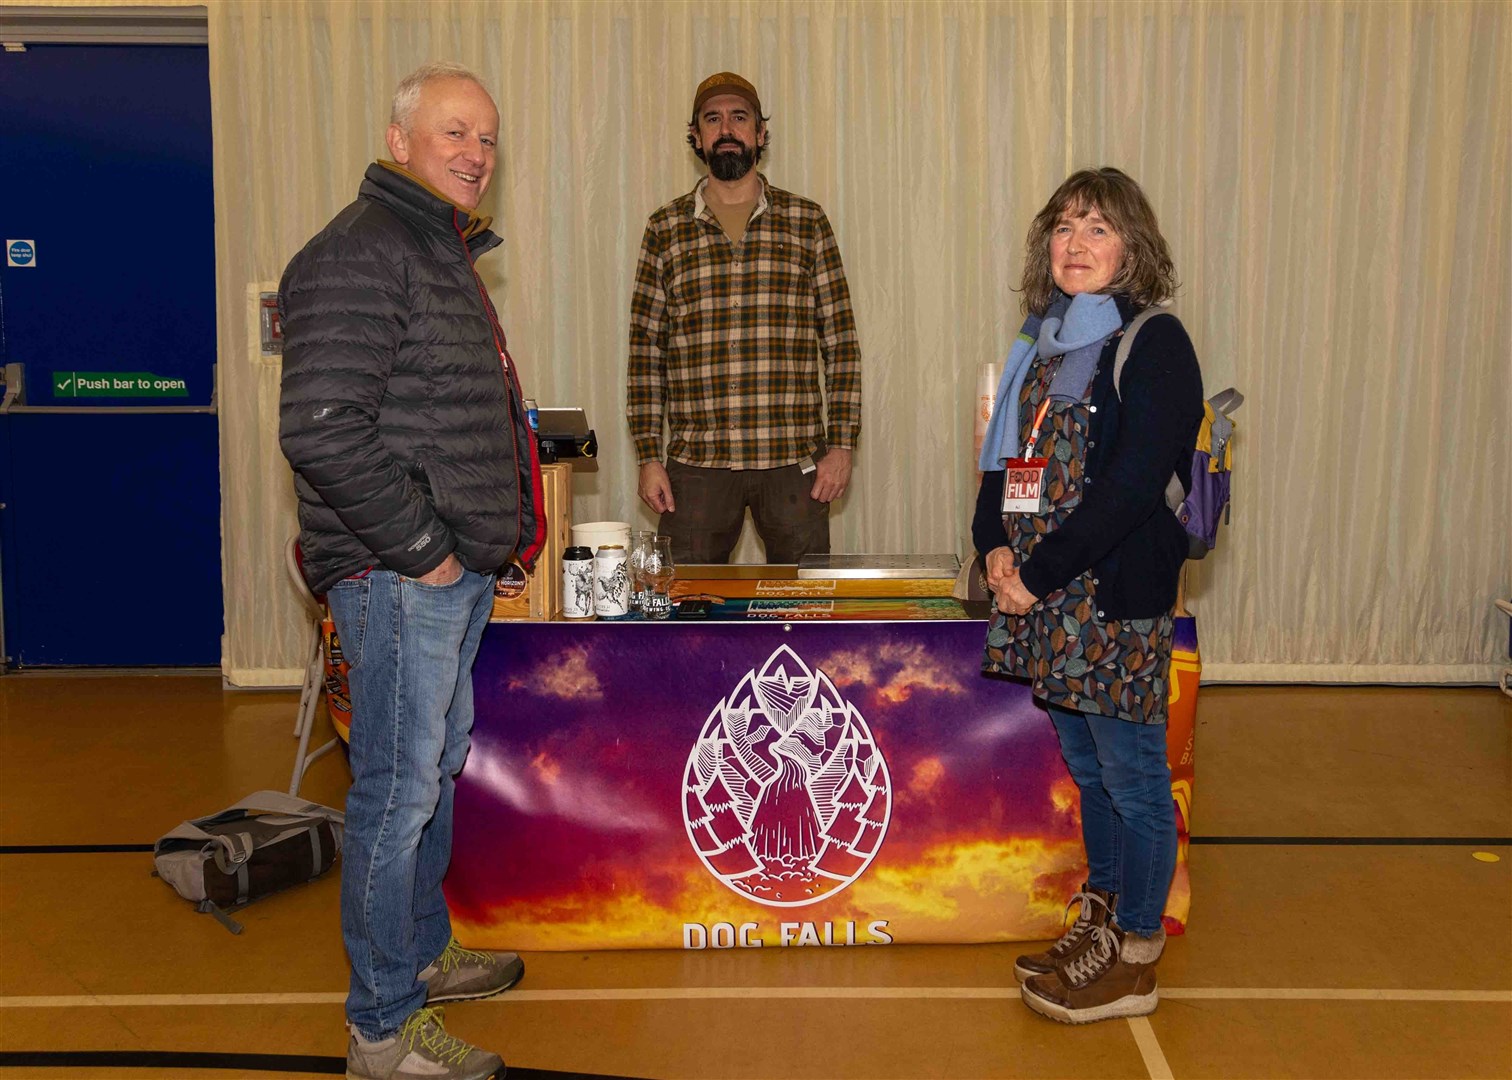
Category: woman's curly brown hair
<point>1148,276</point>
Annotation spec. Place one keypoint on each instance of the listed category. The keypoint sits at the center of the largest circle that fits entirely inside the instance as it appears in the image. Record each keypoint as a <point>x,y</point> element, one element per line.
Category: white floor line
<point>1149,1049</point>
<point>750,993</point>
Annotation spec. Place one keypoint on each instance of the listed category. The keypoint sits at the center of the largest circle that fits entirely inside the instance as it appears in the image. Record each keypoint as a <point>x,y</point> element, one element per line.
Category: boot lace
<point>1081,926</point>
<point>423,1026</point>
<point>1094,963</point>
<point>454,956</point>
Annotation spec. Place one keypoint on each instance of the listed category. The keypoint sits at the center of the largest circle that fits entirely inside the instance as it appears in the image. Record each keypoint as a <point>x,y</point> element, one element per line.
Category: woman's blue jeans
<point>411,649</point>
<point>1128,818</point>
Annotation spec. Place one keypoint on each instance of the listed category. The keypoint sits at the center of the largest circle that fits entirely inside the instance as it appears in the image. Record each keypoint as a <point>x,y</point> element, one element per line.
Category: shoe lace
<point>1082,925</point>
<point>424,1026</point>
<point>1096,960</point>
<point>454,955</point>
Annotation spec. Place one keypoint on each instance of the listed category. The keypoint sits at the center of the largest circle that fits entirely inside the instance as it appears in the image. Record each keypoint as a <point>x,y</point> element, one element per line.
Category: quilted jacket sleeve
<point>345,310</point>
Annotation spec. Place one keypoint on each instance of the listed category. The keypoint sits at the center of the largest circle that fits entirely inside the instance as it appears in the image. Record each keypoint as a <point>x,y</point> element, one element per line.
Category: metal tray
<point>879,566</point>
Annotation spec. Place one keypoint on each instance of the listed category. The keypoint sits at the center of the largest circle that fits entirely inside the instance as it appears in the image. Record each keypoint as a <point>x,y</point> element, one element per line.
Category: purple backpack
<point>1202,500</point>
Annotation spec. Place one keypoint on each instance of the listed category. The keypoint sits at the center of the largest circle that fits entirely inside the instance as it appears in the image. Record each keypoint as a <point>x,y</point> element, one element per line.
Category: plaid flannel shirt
<point>725,338</point>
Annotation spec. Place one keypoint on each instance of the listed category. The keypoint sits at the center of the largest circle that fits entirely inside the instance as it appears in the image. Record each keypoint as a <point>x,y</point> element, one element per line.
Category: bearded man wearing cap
<point>739,296</point>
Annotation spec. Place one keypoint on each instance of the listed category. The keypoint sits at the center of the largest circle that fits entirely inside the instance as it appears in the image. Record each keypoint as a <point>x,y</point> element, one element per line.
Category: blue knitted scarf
<point>1075,327</point>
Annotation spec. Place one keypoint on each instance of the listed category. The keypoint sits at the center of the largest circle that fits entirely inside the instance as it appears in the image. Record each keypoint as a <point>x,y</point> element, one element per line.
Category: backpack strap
<point>276,802</point>
<point>1126,343</point>
<point>1175,492</point>
<point>1226,402</point>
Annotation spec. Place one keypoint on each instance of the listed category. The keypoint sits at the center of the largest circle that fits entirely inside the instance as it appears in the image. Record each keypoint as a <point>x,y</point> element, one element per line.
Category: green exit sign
<point>77,384</point>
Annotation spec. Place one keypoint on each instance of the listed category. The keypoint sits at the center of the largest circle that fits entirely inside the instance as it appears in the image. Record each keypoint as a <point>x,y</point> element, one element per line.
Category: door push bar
<point>14,378</point>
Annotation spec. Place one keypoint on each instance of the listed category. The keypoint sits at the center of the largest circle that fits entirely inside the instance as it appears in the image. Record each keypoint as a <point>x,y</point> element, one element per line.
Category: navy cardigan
<point>1122,528</point>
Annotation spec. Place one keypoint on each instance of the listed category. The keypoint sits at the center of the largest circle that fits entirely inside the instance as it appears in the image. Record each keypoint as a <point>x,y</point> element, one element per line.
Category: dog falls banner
<point>712,785</point>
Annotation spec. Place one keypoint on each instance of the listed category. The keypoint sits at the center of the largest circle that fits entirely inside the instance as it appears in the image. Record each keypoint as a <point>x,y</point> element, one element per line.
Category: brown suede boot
<point>1096,910</point>
<point>1113,976</point>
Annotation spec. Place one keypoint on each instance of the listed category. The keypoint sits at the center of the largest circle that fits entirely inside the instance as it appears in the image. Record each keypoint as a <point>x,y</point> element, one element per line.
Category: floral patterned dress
<point>1073,658</point>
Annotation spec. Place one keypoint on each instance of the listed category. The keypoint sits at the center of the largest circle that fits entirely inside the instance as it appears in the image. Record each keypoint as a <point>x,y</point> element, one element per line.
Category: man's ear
<point>762,135</point>
<point>693,134</point>
<point>398,144</point>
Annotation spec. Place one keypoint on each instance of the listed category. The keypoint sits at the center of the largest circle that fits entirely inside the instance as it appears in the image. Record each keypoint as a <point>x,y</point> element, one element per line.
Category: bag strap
<point>1175,492</point>
<point>1226,402</point>
<point>276,802</point>
<point>1126,343</point>
<point>207,907</point>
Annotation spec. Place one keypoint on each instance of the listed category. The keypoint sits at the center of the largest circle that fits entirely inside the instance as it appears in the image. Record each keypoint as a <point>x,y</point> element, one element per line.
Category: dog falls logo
<point>786,795</point>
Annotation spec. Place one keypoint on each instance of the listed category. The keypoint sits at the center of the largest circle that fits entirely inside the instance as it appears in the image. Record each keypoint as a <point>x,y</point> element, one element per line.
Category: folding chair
<point>314,678</point>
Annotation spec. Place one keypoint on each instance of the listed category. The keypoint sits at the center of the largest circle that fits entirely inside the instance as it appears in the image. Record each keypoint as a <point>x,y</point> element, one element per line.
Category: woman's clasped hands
<point>1006,585</point>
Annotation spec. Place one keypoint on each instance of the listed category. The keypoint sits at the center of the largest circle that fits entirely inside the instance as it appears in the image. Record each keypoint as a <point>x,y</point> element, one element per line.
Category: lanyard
<point>1039,418</point>
<point>1044,408</point>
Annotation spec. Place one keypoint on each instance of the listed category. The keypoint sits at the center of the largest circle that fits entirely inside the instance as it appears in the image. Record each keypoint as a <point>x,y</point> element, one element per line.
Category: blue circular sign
<point>21,252</point>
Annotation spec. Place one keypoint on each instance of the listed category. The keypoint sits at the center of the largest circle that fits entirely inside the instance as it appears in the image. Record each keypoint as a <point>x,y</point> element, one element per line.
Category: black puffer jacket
<point>408,440</point>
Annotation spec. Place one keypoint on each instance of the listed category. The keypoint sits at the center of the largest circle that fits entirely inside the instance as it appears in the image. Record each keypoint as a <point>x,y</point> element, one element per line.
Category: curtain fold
<point>1333,179</point>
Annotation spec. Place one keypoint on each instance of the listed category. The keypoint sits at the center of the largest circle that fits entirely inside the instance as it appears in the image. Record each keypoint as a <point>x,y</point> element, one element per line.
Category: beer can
<point>611,582</point>
<point>577,583</point>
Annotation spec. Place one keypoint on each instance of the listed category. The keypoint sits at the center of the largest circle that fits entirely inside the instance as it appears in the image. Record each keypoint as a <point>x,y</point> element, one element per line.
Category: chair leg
<point>309,698</point>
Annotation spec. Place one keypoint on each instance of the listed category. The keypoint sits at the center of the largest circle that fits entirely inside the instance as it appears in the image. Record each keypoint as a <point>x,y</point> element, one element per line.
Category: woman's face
<point>1085,252</point>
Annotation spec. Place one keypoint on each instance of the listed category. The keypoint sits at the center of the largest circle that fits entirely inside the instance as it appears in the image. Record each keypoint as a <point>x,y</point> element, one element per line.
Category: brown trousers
<point>712,504</point>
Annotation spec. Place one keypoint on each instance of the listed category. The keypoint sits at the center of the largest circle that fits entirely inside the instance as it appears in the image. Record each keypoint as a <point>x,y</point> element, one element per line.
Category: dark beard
<point>730,164</point>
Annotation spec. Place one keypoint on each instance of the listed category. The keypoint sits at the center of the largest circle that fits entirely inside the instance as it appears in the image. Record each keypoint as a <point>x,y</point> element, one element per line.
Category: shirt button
<point>735,265</point>
<point>735,303</point>
<point>1093,408</point>
<point>1100,615</point>
<point>1091,443</point>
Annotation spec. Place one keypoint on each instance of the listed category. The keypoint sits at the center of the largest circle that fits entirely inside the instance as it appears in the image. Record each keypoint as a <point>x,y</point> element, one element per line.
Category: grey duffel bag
<point>263,844</point>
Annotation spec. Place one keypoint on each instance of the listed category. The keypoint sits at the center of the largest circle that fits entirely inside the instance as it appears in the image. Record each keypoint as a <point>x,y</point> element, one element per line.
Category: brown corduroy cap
<point>726,82</point>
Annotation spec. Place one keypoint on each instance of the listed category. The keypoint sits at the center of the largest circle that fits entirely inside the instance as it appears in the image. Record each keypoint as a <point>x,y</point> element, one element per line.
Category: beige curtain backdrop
<point>1333,178</point>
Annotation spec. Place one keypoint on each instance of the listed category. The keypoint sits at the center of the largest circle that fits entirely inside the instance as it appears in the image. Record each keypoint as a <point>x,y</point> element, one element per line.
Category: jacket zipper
<point>511,381</point>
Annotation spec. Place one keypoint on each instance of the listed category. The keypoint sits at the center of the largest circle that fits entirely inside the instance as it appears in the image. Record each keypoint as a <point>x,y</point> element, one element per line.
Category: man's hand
<point>831,476</point>
<point>656,488</point>
<point>445,574</point>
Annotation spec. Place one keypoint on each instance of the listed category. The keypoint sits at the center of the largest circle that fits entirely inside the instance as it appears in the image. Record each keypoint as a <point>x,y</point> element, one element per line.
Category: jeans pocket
<point>428,587</point>
<point>348,601</point>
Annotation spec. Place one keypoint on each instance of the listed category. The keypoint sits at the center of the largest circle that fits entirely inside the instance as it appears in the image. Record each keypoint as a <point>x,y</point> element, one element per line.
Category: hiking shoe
<point>1096,910</point>
<point>420,1050</point>
<point>1113,976</point>
<point>464,974</point>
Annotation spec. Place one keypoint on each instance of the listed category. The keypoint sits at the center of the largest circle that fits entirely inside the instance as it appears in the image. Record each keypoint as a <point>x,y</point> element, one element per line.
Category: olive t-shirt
<point>733,217</point>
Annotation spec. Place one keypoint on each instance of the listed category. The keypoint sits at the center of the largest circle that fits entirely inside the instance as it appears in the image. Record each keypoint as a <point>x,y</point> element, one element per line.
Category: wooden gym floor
<point>1352,917</point>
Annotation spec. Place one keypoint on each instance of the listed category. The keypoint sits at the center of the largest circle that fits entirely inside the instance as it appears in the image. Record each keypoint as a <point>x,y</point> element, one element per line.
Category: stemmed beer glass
<point>657,575</point>
<point>640,544</point>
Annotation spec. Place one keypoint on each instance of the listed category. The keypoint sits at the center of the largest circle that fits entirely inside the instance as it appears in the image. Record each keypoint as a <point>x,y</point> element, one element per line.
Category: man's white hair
<point>407,93</point>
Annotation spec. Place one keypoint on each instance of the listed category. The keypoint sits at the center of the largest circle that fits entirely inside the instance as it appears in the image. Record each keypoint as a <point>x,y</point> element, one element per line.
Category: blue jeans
<point>1128,818</point>
<point>411,648</point>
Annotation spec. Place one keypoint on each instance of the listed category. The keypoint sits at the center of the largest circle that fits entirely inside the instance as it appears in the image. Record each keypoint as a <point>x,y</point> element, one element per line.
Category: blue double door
<point>109,453</point>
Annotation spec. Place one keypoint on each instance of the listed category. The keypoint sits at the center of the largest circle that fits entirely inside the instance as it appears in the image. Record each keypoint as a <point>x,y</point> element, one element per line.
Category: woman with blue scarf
<point>1083,556</point>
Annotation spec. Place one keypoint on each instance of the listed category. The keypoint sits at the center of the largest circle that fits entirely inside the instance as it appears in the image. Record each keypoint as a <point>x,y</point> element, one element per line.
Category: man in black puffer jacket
<point>402,416</point>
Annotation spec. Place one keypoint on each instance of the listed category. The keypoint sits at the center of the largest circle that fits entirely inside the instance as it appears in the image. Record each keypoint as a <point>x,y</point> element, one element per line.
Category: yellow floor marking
<point>1149,1049</point>
<point>705,993</point>
<point>1215,993</point>
<point>1485,856</point>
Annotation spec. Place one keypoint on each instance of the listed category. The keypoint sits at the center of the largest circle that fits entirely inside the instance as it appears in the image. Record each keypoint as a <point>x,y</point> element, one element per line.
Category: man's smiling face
<point>452,139</point>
